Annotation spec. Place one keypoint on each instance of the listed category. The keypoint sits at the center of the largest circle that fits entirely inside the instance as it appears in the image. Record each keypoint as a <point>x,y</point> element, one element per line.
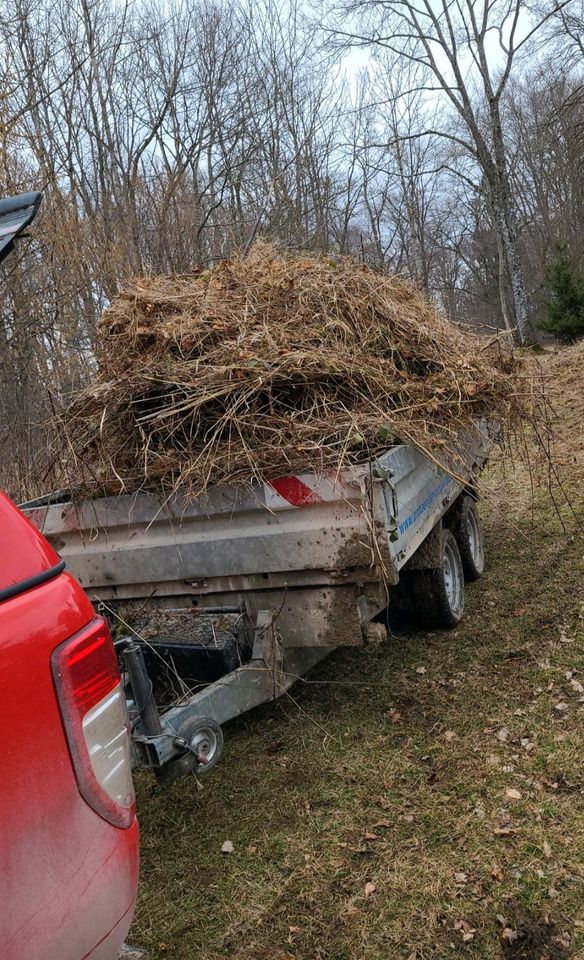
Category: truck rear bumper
<point>120,873</point>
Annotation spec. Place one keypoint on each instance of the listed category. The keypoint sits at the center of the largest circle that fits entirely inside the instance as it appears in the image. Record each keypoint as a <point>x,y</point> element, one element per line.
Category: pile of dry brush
<point>270,364</point>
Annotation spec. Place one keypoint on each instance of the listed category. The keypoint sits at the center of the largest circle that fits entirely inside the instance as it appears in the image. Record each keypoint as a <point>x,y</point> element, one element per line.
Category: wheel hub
<point>474,541</point>
<point>204,745</point>
<point>452,579</point>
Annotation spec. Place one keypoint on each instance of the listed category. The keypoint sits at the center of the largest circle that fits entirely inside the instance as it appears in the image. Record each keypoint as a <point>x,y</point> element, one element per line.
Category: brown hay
<point>271,364</point>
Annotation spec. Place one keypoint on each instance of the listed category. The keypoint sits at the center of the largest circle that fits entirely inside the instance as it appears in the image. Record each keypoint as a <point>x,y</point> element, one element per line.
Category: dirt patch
<point>529,938</point>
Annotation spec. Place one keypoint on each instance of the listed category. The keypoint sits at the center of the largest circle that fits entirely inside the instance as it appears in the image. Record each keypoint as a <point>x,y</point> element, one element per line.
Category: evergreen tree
<point>565,303</point>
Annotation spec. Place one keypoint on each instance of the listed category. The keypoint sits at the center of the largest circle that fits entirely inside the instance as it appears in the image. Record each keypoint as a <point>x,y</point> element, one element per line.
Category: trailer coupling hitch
<point>197,742</point>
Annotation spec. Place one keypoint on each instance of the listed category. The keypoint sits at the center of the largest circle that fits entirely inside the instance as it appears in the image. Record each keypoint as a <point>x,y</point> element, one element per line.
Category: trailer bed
<point>315,546</point>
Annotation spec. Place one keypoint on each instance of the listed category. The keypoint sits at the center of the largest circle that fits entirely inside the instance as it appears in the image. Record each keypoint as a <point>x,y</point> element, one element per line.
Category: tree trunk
<point>517,319</point>
<point>502,267</point>
<point>505,223</point>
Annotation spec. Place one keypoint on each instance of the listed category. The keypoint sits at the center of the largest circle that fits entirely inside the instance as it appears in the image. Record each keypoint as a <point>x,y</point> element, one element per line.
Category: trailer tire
<point>468,532</point>
<point>438,594</point>
<point>205,737</point>
<point>201,734</point>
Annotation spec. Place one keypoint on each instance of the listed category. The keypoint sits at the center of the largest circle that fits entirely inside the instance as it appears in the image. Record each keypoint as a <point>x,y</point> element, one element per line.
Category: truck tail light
<point>93,709</point>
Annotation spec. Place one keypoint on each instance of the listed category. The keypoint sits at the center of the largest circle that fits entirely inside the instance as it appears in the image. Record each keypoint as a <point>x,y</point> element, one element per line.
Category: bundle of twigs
<point>270,364</point>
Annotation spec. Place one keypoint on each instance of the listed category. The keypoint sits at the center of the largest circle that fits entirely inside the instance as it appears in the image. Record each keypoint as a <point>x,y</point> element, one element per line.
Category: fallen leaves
<point>509,935</point>
<point>502,734</point>
<point>512,794</point>
<point>505,828</point>
<point>467,932</point>
<point>393,715</point>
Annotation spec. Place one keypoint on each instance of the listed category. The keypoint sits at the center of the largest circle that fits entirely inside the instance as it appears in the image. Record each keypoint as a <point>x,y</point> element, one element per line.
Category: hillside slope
<point>420,801</point>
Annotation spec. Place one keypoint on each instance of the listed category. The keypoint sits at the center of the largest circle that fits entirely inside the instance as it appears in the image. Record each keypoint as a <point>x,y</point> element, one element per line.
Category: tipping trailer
<point>225,600</point>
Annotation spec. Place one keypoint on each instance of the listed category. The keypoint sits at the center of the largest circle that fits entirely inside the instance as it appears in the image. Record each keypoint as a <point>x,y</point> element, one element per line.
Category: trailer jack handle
<point>141,684</point>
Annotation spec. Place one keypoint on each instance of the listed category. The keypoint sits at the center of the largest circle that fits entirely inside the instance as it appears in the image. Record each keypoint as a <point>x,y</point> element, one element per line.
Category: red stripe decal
<point>295,491</point>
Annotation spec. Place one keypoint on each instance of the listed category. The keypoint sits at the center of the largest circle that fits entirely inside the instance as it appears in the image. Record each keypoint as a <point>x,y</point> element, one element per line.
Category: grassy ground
<point>420,801</point>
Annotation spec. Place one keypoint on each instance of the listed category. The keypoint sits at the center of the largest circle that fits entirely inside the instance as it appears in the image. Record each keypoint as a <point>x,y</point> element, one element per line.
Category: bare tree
<point>469,50</point>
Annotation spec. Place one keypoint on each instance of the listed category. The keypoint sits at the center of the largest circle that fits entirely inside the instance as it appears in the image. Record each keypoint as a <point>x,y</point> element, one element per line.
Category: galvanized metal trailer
<point>295,567</point>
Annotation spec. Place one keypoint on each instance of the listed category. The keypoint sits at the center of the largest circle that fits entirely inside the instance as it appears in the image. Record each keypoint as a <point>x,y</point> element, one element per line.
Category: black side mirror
<point>16,213</point>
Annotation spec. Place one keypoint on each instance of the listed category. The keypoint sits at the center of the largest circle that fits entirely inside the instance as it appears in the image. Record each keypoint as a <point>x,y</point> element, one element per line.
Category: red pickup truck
<point>69,835</point>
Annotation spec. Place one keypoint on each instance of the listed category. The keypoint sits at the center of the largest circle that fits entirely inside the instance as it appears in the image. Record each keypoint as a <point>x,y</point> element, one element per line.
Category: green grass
<point>325,795</point>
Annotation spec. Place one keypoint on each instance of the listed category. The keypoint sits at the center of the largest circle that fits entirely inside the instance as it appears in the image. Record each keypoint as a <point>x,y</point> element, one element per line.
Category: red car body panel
<point>24,552</point>
<point>68,878</point>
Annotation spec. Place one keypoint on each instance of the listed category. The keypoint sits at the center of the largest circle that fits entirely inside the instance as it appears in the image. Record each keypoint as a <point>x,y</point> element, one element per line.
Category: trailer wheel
<point>467,529</point>
<point>203,744</point>
<point>438,594</point>
<point>205,739</point>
